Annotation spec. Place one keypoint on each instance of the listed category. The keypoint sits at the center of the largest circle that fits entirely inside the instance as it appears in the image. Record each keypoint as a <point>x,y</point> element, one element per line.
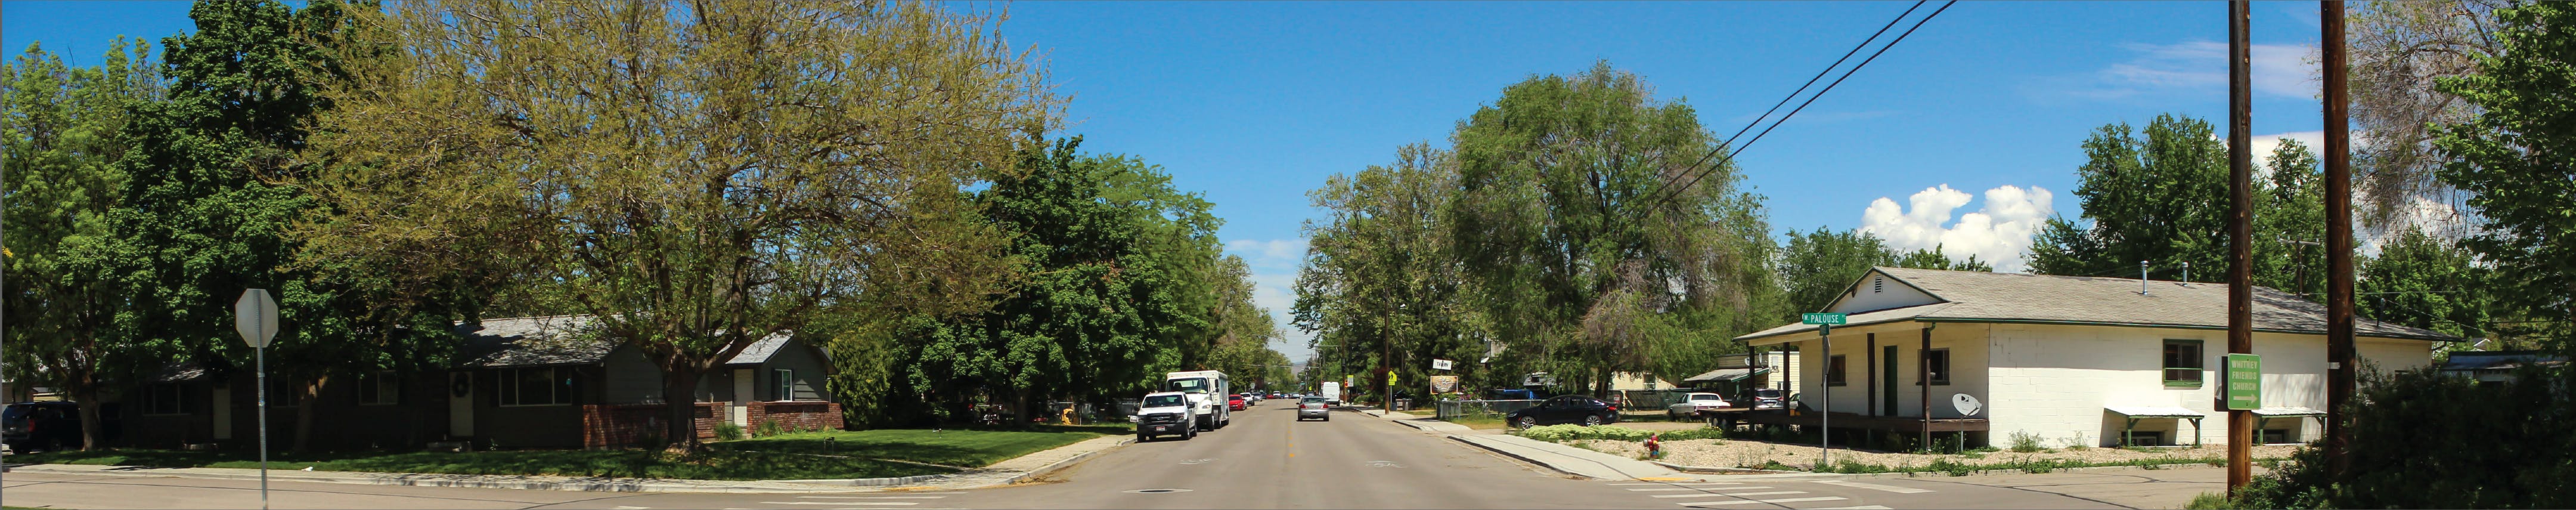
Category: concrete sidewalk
<point>1571,460</point>
<point>1005,472</point>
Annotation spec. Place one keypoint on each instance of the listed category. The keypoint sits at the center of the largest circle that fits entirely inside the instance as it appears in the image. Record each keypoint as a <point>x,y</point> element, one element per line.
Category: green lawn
<point>851,454</point>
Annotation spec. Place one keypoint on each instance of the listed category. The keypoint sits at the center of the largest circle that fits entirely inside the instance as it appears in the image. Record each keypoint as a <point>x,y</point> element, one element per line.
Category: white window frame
<point>785,384</point>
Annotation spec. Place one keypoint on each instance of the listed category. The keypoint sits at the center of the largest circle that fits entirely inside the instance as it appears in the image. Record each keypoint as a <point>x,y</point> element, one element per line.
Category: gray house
<point>553,382</point>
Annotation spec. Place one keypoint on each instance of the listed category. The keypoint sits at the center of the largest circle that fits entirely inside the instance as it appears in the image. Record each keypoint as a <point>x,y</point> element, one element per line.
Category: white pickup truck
<point>1165,413</point>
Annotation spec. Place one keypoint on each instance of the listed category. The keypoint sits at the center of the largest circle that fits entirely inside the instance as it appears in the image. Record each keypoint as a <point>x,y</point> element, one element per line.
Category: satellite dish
<point>1967,405</point>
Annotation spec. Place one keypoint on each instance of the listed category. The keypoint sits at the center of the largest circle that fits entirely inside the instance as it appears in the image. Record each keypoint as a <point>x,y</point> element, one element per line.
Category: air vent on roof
<point>1877,285</point>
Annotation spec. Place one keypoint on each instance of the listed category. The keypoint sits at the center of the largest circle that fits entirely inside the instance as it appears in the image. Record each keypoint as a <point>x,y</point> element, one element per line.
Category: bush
<point>2025,442</point>
<point>727,431</point>
<point>1563,433</point>
<point>2424,440</point>
<point>770,428</point>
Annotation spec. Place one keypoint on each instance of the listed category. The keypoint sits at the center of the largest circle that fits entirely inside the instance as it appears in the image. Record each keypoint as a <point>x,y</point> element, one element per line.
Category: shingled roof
<point>564,340</point>
<point>1969,296</point>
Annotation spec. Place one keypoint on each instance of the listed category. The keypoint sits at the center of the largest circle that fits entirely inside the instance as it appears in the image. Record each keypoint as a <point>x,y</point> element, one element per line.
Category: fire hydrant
<point>1655,445</point>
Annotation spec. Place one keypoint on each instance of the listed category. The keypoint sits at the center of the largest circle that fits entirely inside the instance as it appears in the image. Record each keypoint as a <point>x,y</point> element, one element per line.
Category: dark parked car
<point>1565,409</point>
<point>47,426</point>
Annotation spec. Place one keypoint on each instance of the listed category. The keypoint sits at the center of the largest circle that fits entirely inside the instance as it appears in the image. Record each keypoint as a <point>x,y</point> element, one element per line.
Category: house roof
<point>1970,296</point>
<point>1725,374</point>
<point>533,341</point>
<point>560,340</point>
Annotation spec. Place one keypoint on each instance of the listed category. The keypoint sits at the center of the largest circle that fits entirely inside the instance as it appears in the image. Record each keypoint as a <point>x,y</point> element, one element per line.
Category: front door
<point>741,406</point>
<point>1887,381</point>
<point>460,404</point>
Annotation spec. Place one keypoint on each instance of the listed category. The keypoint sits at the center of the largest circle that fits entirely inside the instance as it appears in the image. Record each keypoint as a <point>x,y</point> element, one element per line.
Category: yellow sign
<point>1390,378</point>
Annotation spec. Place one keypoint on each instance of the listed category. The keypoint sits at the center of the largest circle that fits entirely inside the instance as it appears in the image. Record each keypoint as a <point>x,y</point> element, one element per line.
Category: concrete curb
<point>1756,474</point>
<point>1066,463</point>
<point>869,482</point>
<point>433,480</point>
<point>1719,470</point>
<point>1522,458</point>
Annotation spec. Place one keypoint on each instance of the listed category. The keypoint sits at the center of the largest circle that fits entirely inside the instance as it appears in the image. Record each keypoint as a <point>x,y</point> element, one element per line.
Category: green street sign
<point>2244,382</point>
<point>1834,319</point>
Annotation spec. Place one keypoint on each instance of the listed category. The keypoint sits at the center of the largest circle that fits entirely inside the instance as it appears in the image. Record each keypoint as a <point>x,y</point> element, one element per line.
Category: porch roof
<point>1726,374</point>
<point>2155,412</point>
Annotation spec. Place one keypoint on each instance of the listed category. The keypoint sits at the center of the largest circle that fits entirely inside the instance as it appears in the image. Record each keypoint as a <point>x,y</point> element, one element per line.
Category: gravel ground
<point>1752,454</point>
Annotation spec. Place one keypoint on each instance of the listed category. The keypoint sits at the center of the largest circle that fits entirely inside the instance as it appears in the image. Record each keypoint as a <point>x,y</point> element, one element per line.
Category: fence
<point>1449,409</point>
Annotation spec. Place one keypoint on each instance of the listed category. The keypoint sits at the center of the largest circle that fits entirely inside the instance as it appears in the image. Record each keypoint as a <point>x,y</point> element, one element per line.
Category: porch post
<point>1924,358</point>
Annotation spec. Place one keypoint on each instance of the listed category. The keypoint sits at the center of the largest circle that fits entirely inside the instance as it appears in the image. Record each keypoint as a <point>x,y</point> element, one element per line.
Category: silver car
<point>1313,407</point>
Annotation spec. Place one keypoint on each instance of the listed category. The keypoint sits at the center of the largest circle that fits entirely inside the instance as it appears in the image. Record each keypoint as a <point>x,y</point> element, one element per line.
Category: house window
<point>1937,361</point>
<point>283,393</point>
<point>379,389</point>
<point>1834,371</point>
<point>548,386</point>
<point>786,379</point>
<point>2182,362</point>
<point>166,398</point>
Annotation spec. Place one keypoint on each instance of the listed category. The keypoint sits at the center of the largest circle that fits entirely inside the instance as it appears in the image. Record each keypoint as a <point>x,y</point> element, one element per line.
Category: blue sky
<point>1256,103</point>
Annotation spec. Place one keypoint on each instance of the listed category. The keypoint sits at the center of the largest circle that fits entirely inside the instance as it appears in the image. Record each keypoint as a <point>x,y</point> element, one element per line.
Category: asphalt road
<point>1265,460</point>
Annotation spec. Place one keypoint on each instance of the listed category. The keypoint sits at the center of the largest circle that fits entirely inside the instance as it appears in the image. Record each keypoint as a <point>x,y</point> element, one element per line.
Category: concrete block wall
<point>799,415</point>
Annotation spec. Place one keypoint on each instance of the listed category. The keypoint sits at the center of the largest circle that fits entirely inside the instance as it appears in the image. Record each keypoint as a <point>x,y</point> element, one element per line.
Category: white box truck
<point>1207,390</point>
<point>1333,393</point>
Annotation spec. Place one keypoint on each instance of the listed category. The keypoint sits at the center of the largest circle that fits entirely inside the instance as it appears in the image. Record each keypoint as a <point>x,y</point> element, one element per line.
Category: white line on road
<point>1682,483</point>
<point>1752,501</point>
<point>1767,493</point>
<point>1875,487</point>
<point>1670,489</point>
<point>1862,507</point>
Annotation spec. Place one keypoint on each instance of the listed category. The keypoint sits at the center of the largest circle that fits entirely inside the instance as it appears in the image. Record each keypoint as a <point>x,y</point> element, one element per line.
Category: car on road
<point>46,426</point>
<point>1234,402</point>
<point>1313,407</point>
<point>1693,403</point>
<point>1165,414</point>
<point>1565,409</point>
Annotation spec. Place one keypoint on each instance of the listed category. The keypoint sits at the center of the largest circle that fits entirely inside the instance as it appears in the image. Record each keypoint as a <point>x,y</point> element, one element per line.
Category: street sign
<point>1441,364</point>
<point>255,316</point>
<point>2244,382</point>
<point>1835,319</point>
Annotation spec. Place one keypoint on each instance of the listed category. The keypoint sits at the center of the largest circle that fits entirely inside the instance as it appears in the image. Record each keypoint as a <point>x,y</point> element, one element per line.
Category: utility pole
<point>2339,348</point>
<point>2240,229</point>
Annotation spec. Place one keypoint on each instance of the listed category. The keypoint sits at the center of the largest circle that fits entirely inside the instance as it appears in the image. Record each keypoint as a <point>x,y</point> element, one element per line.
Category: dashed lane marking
<point>1770,493</point>
<point>1875,487</point>
<point>1758,501</point>
<point>1670,489</point>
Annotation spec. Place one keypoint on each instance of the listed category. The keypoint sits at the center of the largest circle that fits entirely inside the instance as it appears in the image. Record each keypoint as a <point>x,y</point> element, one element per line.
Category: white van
<point>1207,390</point>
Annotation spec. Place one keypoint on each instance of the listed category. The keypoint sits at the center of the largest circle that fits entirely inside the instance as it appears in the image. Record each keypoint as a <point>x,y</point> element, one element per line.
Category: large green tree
<point>695,176</point>
<point>1382,285</point>
<point>1593,229</point>
<point>70,325</point>
<point>2427,282</point>
<point>2517,157</point>
<point>2163,199</point>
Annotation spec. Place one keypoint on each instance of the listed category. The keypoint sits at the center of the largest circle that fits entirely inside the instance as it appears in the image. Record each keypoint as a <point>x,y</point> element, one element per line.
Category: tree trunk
<point>91,428</point>
<point>1024,414</point>
<point>680,398</point>
<point>306,395</point>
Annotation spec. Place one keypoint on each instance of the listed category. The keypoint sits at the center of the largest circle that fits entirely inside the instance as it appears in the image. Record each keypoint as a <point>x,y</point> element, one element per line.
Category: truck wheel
<point>1592,420</point>
<point>1189,434</point>
<point>1143,438</point>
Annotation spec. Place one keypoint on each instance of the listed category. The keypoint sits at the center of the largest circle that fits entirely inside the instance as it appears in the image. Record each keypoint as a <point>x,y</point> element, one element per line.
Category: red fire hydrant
<point>1655,445</point>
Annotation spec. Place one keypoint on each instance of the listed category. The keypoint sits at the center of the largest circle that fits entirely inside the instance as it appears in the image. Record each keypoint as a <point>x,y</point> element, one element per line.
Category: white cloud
<point>1274,285</point>
<point>2279,69</point>
<point>2264,144</point>
<point>1999,233</point>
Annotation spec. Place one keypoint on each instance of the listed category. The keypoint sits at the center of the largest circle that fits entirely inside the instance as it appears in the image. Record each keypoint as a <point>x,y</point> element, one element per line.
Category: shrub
<point>2424,440</point>
<point>727,431</point>
<point>2025,441</point>
<point>770,428</point>
<point>1563,433</point>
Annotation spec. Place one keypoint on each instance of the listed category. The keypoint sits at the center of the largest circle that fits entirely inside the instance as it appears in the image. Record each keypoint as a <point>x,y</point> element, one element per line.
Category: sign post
<point>255,317</point>
<point>1825,323</point>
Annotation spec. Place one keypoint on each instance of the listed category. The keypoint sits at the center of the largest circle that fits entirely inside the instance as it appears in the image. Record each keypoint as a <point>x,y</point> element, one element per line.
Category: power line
<point>1802,88</point>
<point>1757,137</point>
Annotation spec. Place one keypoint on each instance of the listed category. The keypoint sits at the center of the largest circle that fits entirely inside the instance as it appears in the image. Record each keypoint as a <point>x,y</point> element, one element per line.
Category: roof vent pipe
<point>2142,278</point>
<point>2186,274</point>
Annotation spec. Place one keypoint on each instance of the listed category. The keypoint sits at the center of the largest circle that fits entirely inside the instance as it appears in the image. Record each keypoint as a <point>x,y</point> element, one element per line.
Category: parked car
<point>1565,409</point>
<point>1234,402</point>
<point>1313,407</point>
<point>40,426</point>
<point>1165,414</point>
<point>1693,403</point>
<point>1768,399</point>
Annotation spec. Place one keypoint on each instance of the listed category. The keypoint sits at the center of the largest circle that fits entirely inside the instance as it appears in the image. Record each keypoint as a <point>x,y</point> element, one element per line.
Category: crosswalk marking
<point>1765,493</point>
<point>1862,507</point>
<point>1875,487</point>
<point>1670,489</point>
<point>1753,501</point>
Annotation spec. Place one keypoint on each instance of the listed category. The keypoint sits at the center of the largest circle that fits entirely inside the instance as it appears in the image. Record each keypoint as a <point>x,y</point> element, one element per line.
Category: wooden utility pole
<point>2240,230</point>
<point>2339,348</point>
